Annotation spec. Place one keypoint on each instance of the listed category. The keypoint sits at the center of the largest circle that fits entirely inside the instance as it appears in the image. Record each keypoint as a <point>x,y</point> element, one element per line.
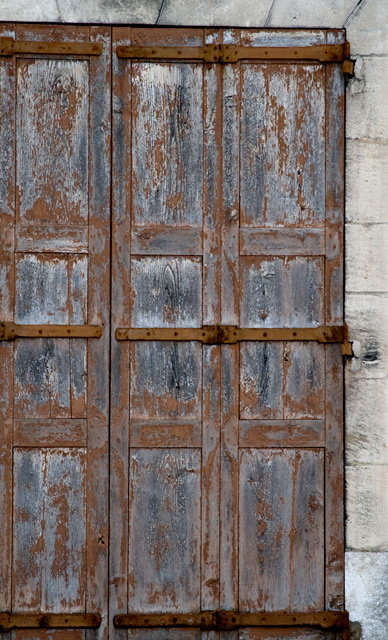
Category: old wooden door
<point>54,392</point>
<point>226,467</point>
<point>221,357</point>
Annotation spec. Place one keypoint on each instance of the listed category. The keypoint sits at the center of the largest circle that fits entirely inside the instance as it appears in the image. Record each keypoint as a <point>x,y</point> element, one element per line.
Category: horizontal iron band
<point>229,620</point>
<point>9,46</point>
<point>11,331</point>
<point>229,334</point>
<point>233,53</point>
<point>9,621</point>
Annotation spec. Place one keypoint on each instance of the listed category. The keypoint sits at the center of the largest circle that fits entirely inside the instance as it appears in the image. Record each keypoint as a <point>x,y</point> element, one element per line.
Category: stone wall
<point>366,22</point>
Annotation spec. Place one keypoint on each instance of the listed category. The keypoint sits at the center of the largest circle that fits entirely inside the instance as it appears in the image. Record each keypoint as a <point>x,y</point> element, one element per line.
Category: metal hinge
<point>9,621</point>
<point>11,331</point>
<point>9,47</point>
<point>230,620</point>
<point>230,334</point>
<point>227,53</point>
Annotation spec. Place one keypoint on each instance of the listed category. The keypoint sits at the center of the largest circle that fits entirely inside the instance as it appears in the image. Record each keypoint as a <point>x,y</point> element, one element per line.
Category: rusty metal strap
<point>9,47</point>
<point>232,53</point>
<point>11,331</point>
<point>229,334</point>
<point>9,621</point>
<point>230,620</point>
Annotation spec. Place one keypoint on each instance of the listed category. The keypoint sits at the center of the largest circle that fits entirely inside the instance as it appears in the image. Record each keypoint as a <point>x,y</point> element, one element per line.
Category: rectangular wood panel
<point>57,211</point>
<point>223,215</point>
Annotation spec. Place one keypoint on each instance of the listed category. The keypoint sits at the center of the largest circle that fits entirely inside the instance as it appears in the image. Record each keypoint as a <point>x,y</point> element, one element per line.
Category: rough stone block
<point>104,11</point>
<point>216,13</point>
<point>367,181</point>
<point>367,28</point>
<point>367,98</point>
<point>314,13</point>
<point>367,592</point>
<point>367,507</point>
<point>366,257</point>
<point>365,419</point>
<point>42,11</point>
<point>367,317</point>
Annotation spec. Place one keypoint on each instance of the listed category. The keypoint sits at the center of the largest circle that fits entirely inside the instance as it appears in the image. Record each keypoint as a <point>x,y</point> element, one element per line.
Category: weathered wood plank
<point>303,291</point>
<point>49,558</point>
<point>211,488</point>
<point>154,433</point>
<point>262,296</point>
<point>51,238</point>
<point>212,186</point>
<point>120,316</point>
<point>304,380</point>
<point>230,190</point>
<point>281,530</point>
<point>46,634</point>
<point>335,167</point>
<point>52,123</point>
<point>7,289</point>
<point>42,378</point>
<point>283,37</point>
<point>166,292</point>
<point>282,633</point>
<point>168,125</point>
<point>99,313</point>
<point>281,433</point>
<point>34,432</point>
<point>282,242</point>
<point>261,380</point>
<point>164,530</point>
<point>282,145</point>
<point>167,241</point>
<point>282,291</point>
<point>334,481</point>
<point>307,586</point>
<point>229,557</point>
<point>266,505</point>
<point>166,380</point>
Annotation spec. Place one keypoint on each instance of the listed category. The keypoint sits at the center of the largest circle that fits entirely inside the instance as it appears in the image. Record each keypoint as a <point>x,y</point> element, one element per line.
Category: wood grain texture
<point>212,186</point>
<point>283,242</point>
<point>164,530</point>
<point>279,291</point>
<point>334,481</point>
<point>7,289</point>
<point>335,143</point>
<point>281,433</point>
<point>230,192</point>
<point>282,145</point>
<point>154,433</point>
<point>166,292</point>
<point>304,380</point>
<point>211,489</point>
<point>52,123</point>
<point>50,238</point>
<point>229,556</point>
<point>261,380</point>
<point>166,380</point>
<point>99,313</point>
<point>49,433</point>
<point>167,141</point>
<point>49,558</point>
<point>281,530</point>
<point>120,316</point>
<point>167,241</point>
